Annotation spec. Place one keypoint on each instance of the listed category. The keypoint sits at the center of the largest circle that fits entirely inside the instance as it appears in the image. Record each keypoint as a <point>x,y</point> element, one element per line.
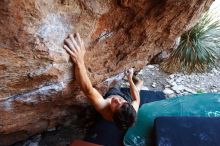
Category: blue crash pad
<point>207,105</point>
<point>187,131</point>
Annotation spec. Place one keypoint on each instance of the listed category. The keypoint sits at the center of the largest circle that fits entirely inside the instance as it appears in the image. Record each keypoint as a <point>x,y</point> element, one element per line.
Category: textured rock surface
<point>37,89</point>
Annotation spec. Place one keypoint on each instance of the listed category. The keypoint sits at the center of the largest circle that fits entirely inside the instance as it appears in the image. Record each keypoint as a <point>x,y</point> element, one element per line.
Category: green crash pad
<point>207,105</point>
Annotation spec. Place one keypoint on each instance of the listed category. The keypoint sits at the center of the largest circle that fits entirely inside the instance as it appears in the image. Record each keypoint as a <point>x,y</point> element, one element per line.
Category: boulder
<point>38,90</point>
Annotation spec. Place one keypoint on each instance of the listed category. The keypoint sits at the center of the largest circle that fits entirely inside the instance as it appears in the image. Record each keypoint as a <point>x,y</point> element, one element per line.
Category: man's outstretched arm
<point>134,89</point>
<point>76,49</point>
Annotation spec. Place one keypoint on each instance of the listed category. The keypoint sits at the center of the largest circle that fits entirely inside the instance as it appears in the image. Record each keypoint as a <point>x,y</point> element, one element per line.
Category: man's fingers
<point>72,55</point>
<point>126,72</point>
<point>69,44</point>
<point>68,50</point>
<point>79,39</point>
<point>129,71</point>
<point>74,42</point>
<point>74,60</point>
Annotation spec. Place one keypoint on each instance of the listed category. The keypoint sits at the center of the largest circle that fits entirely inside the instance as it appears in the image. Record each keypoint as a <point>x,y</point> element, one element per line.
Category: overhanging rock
<point>38,89</point>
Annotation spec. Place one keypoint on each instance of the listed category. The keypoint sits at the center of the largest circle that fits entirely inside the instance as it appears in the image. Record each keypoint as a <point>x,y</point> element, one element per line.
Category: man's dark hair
<point>125,116</point>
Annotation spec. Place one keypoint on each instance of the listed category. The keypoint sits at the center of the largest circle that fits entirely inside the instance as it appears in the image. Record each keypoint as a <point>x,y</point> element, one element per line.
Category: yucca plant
<point>197,48</point>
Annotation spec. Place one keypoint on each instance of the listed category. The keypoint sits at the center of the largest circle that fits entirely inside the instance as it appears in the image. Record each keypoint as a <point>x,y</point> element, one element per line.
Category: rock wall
<point>37,85</point>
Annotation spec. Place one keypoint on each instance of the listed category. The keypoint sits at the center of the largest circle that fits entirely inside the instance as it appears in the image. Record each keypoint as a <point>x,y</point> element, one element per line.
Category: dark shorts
<point>145,96</point>
<point>123,92</point>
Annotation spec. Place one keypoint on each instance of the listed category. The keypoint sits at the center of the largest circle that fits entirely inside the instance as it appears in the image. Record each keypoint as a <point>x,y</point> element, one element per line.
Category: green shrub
<point>197,48</point>
<point>200,91</point>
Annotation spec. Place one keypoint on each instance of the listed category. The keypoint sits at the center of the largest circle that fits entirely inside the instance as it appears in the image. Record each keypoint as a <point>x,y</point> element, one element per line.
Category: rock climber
<point>115,106</point>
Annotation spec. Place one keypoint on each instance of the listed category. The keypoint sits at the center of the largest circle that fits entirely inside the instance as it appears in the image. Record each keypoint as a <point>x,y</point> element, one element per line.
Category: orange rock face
<point>38,89</point>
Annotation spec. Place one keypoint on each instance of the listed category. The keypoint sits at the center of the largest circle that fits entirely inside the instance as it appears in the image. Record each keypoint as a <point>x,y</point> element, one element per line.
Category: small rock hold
<point>172,76</point>
<point>190,90</point>
<point>167,86</point>
<point>51,129</point>
<point>144,88</point>
<point>214,70</point>
<point>214,90</point>
<point>179,80</point>
<point>168,91</point>
<point>150,66</point>
<point>178,88</point>
<point>153,85</point>
<point>178,92</point>
<point>140,72</point>
<point>173,83</point>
